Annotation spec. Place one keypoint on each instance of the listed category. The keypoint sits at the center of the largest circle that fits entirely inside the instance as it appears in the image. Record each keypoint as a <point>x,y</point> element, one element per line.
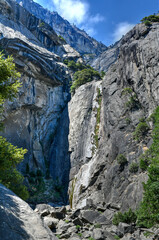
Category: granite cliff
<point>75,37</point>
<point>77,139</point>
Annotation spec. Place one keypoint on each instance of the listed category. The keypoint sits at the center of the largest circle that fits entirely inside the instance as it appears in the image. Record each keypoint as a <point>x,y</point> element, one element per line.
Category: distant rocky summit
<point>75,37</point>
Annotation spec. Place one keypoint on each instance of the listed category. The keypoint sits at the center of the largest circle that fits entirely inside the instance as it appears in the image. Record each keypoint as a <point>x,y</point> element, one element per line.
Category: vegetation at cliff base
<point>148,213</point>
<point>127,217</point>
<point>141,130</point>
<point>10,156</point>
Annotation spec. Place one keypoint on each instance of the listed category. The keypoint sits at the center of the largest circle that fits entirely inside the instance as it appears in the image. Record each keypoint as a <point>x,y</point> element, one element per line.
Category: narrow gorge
<point>84,148</point>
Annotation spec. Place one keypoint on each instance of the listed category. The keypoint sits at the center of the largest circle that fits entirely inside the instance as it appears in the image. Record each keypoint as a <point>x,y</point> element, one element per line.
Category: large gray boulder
<point>19,221</point>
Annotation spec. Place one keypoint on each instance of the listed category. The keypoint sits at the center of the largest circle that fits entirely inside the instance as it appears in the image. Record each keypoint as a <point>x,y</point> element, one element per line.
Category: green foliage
<point>148,213</point>
<point>133,102</point>
<point>128,120</point>
<point>71,192</point>
<point>61,38</point>
<point>10,156</point>
<point>72,65</point>
<point>90,238</point>
<point>9,80</point>
<point>80,234</point>
<point>150,19</point>
<point>144,161</point>
<point>116,237</point>
<point>96,131</point>
<point>147,23</point>
<point>98,225</point>
<point>121,159</point>
<point>127,217</point>
<point>84,76</point>
<point>133,167</point>
<point>141,130</point>
<point>65,61</point>
<point>102,74</point>
<point>127,91</point>
<point>78,227</point>
<point>42,24</point>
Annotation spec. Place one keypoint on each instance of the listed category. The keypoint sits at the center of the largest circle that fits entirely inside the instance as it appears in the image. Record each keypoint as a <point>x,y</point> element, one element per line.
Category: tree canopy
<point>10,156</point>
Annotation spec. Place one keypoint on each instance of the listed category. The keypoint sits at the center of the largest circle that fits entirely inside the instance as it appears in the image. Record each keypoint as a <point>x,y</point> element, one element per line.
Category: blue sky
<point>105,20</point>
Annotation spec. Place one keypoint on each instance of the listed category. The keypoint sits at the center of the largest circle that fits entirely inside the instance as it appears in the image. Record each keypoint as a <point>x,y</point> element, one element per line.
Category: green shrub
<point>148,213</point>
<point>147,23</point>
<point>61,38</point>
<point>96,130</point>
<point>128,120</point>
<point>127,217</point>
<point>133,167</point>
<point>133,102</point>
<point>126,91</point>
<point>116,237</point>
<point>121,159</point>
<point>42,24</point>
<point>144,163</point>
<point>66,61</point>
<point>84,76</point>
<point>102,74</point>
<point>72,65</point>
<point>151,18</point>
<point>78,227</point>
<point>10,157</point>
<point>98,225</point>
<point>141,130</point>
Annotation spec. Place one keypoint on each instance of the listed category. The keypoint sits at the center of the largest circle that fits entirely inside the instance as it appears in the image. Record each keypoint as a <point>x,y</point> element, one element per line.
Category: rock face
<point>31,120</point>
<point>79,140</point>
<point>136,68</point>
<point>19,221</point>
<point>75,37</point>
<point>107,58</point>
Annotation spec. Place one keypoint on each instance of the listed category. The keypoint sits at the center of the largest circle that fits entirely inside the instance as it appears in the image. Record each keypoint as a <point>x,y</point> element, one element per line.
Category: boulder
<point>124,228</point>
<point>19,221</point>
<point>89,216</point>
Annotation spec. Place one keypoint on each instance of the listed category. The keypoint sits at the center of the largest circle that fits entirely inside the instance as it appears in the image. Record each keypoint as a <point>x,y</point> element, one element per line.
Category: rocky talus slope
<point>77,139</point>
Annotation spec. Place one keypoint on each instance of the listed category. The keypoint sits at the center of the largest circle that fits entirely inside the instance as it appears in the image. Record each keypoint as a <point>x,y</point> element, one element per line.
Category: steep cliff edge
<point>102,179</point>
<point>80,139</point>
<point>74,36</point>
<point>32,118</point>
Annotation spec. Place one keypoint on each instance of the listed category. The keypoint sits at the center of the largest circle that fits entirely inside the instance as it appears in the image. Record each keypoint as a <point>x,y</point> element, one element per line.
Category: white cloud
<point>75,11</point>
<point>122,29</point>
<point>96,19</point>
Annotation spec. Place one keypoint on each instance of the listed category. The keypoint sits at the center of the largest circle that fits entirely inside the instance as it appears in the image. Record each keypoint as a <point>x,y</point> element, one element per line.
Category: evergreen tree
<point>10,155</point>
